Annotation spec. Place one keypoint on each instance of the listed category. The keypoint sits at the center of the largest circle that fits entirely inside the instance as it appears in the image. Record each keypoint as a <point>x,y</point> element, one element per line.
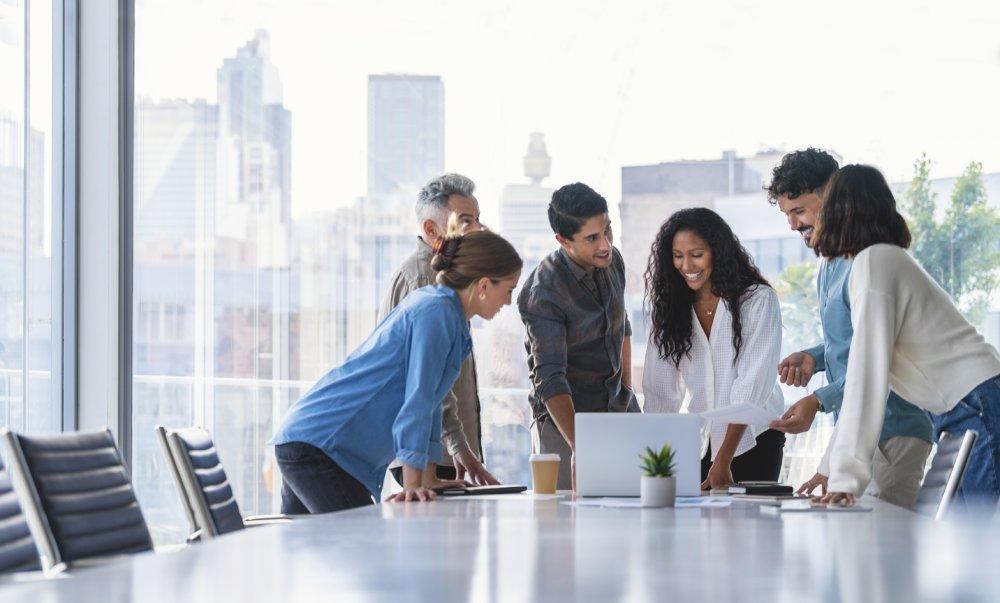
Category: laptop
<point>608,446</point>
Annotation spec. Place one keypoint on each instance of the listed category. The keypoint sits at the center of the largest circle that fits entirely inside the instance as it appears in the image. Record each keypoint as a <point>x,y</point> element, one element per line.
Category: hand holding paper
<point>739,414</point>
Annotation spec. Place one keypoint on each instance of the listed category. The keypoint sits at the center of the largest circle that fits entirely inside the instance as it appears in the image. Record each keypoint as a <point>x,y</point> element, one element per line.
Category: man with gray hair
<point>447,197</point>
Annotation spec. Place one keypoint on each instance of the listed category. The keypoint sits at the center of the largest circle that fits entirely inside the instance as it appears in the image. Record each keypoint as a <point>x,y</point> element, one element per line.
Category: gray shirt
<point>576,325</point>
<point>460,419</point>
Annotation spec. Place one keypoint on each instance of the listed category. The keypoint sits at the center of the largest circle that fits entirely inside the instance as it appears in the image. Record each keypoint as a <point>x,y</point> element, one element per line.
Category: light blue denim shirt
<point>901,417</point>
<point>384,402</point>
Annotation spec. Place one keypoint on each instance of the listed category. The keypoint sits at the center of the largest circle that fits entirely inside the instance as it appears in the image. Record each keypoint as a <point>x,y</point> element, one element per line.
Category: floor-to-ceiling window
<point>30,299</point>
<point>279,147</point>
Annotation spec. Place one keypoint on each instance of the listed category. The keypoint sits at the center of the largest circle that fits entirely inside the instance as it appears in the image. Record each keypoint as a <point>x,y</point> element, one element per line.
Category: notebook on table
<point>479,490</point>
<point>761,489</point>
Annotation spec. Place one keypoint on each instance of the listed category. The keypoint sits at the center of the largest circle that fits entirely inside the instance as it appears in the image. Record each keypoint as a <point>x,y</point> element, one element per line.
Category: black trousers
<point>762,463</point>
<point>443,472</point>
<point>313,483</point>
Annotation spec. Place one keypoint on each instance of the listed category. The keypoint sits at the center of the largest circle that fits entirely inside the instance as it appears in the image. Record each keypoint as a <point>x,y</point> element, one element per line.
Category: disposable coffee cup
<point>544,473</point>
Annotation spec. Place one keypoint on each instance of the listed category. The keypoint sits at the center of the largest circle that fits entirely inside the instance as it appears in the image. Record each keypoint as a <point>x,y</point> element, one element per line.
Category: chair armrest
<point>263,520</point>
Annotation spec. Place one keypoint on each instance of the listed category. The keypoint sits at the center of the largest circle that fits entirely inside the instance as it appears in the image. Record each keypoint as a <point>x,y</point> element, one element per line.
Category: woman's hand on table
<point>417,494</point>
<point>845,499</point>
<point>720,476</point>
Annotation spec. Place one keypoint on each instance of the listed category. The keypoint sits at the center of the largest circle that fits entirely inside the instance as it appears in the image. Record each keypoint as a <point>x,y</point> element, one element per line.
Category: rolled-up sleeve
<point>417,428</point>
<point>546,327</point>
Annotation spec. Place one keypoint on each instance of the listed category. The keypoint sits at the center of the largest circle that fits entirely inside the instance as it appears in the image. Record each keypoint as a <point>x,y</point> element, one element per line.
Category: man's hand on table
<point>467,464</point>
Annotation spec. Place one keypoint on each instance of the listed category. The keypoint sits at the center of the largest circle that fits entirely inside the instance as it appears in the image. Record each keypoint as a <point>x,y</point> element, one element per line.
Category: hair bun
<point>444,252</point>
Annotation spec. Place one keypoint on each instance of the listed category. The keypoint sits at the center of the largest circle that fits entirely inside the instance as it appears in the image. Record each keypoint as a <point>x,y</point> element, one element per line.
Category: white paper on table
<point>623,503</point>
<point>740,414</point>
<point>704,502</point>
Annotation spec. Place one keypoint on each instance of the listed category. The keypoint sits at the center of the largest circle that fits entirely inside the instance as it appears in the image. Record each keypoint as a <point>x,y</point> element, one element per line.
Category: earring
<point>482,296</point>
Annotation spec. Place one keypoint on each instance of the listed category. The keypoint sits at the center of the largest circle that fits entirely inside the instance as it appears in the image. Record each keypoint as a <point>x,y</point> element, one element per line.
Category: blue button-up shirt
<point>901,417</point>
<point>384,402</point>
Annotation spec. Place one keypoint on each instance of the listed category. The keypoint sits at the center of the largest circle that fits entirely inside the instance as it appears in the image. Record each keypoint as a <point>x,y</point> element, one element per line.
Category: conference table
<point>526,548</point>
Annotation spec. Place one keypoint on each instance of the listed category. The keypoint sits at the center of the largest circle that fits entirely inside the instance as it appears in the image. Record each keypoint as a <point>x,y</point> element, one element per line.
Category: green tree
<point>960,250</point>
<point>796,287</point>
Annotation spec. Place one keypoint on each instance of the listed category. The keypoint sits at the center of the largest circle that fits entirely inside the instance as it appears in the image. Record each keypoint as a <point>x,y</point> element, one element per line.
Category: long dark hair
<point>858,212</point>
<point>668,296</point>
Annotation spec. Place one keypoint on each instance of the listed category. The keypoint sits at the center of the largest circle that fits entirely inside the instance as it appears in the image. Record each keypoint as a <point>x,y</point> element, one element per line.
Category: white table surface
<point>524,549</point>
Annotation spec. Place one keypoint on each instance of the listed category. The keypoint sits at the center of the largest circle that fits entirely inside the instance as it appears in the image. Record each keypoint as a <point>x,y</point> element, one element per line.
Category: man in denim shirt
<point>579,337</point>
<point>898,467</point>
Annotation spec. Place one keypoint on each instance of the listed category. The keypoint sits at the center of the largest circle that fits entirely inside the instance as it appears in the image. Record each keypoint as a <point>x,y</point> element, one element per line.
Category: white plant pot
<point>658,491</point>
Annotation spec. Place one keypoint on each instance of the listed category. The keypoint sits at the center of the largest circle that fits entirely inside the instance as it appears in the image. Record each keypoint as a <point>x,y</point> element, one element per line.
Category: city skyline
<point>686,82</point>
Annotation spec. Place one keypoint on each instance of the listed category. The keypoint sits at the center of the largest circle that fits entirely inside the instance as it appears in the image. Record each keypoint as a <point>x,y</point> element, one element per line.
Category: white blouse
<point>710,375</point>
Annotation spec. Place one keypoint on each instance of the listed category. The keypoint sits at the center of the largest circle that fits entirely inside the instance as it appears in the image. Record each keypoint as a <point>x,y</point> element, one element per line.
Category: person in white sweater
<point>715,333</point>
<point>908,336</point>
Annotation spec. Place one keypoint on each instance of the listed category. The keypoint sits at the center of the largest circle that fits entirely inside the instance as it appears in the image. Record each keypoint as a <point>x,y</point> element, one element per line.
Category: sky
<point>609,84</point>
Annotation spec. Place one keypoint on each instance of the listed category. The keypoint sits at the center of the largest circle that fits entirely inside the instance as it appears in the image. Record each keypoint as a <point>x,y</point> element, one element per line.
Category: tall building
<point>12,188</point>
<point>524,217</point>
<point>175,177</point>
<point>405,132</point>
<point>255,130</point>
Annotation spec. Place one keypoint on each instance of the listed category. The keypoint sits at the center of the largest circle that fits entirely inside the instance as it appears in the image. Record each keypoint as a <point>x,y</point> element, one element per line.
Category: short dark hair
<point>859,211</point>
<point>799,173</point>
<point>571,206</point>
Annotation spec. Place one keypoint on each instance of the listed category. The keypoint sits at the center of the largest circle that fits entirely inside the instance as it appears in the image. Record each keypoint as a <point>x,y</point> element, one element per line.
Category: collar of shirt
<point>575,269</point>
<point>424,250</point>
<point>453,296</point>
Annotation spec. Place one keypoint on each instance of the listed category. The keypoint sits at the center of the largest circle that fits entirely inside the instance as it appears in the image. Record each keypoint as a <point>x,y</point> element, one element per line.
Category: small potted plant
<point>659,486</point>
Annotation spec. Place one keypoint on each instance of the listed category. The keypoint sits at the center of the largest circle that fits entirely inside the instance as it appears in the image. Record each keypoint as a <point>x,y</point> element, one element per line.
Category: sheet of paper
<point>635,503</point>
<point>742,414</point>
<point>704,502</point>
<point>624,503</point>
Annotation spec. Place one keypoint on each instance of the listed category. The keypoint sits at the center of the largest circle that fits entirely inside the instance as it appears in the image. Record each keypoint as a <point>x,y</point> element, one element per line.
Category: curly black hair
<point>799,173</point>
<point>668,297</point>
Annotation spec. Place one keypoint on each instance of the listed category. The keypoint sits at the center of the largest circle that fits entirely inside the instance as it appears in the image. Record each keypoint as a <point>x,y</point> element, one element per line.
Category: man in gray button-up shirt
<point>444,197</point>
<point>579,336</point>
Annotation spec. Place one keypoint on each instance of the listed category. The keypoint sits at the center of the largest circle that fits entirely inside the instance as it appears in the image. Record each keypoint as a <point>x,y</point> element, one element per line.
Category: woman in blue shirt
<point>384,402</point>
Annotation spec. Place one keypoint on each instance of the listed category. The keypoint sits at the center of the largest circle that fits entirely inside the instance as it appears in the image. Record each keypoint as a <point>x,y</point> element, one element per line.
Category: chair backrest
<point>17,548</point>
<point>79,494</point>
<point>945,475</point>
<point>204,481</point>
<point>175,473</point>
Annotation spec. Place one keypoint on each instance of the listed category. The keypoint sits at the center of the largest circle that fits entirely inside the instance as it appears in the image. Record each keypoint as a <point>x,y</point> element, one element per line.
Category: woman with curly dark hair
<point>715,333</point>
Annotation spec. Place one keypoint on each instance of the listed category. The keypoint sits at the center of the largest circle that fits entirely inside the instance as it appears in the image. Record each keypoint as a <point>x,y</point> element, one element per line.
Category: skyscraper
<point>255,129</point>
<point>405,132</point>
<point>524,217</point>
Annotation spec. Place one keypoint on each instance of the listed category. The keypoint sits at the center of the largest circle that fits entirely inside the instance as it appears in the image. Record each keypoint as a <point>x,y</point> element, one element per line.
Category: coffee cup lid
<point>544,457</point>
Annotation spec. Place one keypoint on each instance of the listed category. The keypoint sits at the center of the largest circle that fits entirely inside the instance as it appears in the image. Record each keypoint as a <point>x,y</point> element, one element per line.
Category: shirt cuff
<point>435,452</point>
<point>827,397</point>
<point>417,460</point>
<point>454,443</point>
<point>555,386</point>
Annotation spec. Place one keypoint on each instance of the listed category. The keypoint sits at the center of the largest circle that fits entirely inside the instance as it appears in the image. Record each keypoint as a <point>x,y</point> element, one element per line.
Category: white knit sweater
<point>908,335</point>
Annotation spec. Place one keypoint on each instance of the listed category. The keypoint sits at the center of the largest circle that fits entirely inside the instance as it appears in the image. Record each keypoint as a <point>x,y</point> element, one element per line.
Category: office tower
<point>255,130</point>
<point>405,132</point>
<point>524,207</point>
<point>12,188</point>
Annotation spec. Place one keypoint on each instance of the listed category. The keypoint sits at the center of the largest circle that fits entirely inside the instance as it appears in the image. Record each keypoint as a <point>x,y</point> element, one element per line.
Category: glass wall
<point>279,148</point>
<point>30,395</point>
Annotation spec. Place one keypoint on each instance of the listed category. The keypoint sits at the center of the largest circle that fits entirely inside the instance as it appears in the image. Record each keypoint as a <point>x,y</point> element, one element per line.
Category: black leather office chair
<point>205,491</point>
<point>78,494</point>
<point>18,552</point>
<point>945,475</point>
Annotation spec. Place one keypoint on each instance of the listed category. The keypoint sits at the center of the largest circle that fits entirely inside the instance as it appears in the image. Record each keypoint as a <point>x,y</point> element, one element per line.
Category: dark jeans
<point>313,483</point>
<point>980,412</point>
<point>443,472</point>
<point>762,463</point>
